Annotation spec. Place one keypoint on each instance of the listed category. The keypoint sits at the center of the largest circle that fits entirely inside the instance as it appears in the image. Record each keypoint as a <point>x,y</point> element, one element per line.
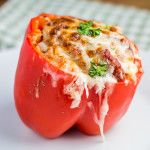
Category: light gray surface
<point>131,133</point>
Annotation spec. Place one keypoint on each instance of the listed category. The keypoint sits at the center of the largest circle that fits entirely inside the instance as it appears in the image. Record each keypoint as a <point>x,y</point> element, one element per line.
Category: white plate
<point>131,133</point>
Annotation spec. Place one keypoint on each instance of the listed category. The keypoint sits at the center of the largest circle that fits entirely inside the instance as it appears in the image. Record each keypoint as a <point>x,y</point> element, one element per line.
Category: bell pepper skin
<point>50,113</point>
<point>118,102</point>
<point>45,108</point>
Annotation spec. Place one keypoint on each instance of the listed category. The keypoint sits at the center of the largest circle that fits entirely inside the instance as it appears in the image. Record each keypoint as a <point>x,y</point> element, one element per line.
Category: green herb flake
<point>113,49</point>
<point>87,29</point>
<point>107,27</point>
<point>98,69</point>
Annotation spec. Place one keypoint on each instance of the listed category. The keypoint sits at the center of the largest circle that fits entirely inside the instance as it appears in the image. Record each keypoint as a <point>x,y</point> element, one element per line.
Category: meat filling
<point>78,45</point>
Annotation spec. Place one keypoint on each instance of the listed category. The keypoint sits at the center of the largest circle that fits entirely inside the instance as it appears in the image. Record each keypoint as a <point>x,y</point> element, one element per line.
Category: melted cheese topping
<point>63,46</point>
<point>72,52</point>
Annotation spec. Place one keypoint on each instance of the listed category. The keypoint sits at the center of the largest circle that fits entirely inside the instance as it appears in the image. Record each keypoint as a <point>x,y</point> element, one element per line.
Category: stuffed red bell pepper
<point>74,72</point>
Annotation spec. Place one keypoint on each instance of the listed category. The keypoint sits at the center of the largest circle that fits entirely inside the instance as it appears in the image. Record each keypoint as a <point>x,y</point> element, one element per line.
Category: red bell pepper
<point>46,108</point>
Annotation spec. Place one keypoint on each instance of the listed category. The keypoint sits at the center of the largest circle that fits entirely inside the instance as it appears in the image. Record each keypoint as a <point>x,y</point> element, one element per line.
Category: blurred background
<point>133,16</point>
<point>136,3</point>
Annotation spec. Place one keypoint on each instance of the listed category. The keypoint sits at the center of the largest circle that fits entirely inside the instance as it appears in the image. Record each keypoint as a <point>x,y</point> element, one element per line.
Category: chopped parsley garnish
<point>87,29</point>
<point>98,69</point>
